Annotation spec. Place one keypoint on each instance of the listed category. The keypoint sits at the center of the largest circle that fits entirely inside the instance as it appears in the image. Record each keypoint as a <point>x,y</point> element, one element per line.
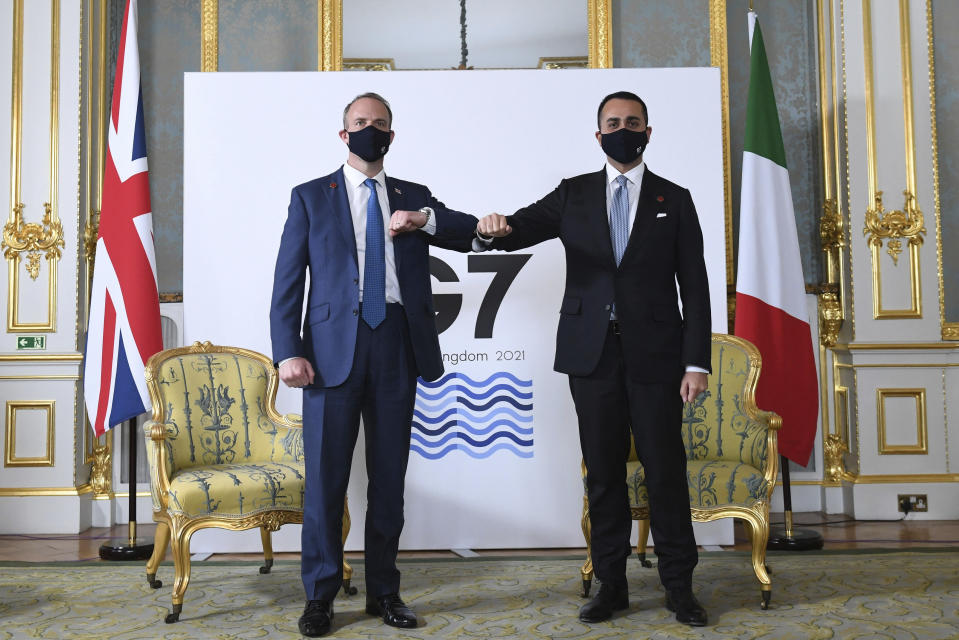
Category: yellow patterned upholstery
<point>731,454</point>
<point>220,455</point>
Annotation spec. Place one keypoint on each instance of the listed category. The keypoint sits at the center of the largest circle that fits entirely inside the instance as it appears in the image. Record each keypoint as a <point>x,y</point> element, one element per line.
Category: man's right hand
<point>494,225</point>
<point>296,372</point>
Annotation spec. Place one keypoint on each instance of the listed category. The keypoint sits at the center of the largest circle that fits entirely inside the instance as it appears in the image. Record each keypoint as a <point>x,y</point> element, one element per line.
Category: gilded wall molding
<point>599,19</point>
<point>209,35</point>
<point>833,451</point>
<point>102,470</point>
<point>906,223</point>
<point>830,318</point>
<point>11,459</point>
<point>921,447</point>
<point>719,57</point>
<point>950,330</point>
<point>23,239</point>
<point>329,45</point>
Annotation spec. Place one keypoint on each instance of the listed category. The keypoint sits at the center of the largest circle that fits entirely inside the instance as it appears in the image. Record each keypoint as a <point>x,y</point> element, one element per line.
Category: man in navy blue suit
<point>369,331</point>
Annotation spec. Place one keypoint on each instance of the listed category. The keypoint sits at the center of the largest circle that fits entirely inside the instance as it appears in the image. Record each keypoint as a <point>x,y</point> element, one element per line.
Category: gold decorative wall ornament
<point>90,234</point>
<point>32,239</point>
<point>100,480</point>
<point>368,64</point>
<point>830,318</point>
<point>599,16</point>
<point>894,225</point>
<point>833,451</point>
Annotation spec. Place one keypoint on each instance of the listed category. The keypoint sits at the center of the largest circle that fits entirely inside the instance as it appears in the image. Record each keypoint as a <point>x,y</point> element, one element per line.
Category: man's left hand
<point>694,383</point>
<point>406,221</point>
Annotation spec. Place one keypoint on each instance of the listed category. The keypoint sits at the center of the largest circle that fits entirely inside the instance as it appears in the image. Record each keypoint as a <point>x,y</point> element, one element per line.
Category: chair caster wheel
<point>586,586</point>
<point>349,590</point>
<point>765,603</point>
<point>154,583</point>
<point>173,617</point>
<point>267,565</point>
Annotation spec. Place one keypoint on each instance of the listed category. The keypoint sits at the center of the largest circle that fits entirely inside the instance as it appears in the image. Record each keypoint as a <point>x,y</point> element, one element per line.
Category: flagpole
<point>787,538</point>
<point>129,548</point>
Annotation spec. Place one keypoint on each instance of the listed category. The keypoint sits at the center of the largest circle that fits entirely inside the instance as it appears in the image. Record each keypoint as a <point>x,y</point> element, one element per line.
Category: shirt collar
<point>634,175</point>
<point>356,178</point>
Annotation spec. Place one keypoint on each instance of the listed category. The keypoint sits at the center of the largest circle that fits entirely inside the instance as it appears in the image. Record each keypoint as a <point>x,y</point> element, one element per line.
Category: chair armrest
<point>155,433</point>
<point>772,419</point>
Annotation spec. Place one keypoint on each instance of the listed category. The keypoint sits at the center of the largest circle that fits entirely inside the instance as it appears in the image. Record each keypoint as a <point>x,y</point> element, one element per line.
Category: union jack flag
<point>124,327</point>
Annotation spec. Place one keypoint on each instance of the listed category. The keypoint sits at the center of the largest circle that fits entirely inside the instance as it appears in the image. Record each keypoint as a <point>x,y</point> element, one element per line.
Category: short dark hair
<point>621,95</point>
<point>368,94</point>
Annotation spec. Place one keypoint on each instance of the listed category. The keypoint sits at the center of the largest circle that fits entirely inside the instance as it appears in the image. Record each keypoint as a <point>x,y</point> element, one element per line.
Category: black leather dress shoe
<point>683,603</point>
<point>393,611</point>
<point>607,600</point>
<point>317,618</point>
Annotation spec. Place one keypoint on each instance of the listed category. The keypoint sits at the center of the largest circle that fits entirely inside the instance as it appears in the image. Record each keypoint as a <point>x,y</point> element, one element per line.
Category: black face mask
<point>624,145</point>
<point>369,143</point>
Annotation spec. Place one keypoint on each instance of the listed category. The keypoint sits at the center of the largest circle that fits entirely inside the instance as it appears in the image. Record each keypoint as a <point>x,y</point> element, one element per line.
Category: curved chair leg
<point>641,543</point>
<point>160,543</point>
<point>587,570</point>
<point>347,569</point>
<point>266,538</point>
<point>758,526</point>
<point>181,563</point>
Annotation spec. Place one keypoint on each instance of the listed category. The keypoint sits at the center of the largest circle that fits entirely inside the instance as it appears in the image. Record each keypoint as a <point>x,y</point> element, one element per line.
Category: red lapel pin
<point>332,185</point>
<point>660,198</point>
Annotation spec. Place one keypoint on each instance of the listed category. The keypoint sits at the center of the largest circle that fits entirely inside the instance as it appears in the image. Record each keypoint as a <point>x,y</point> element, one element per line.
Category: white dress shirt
<point>358,195</point>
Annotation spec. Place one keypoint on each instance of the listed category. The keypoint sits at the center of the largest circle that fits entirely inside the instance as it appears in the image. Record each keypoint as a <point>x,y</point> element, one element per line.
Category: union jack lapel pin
<point>397,190</point>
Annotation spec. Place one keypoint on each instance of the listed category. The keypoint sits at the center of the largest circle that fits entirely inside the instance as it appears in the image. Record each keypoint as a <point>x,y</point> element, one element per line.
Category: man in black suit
<point>629,236</point>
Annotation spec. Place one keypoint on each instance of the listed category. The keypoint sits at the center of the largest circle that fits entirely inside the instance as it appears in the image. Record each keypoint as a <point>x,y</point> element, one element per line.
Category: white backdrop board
<point>495,461</point>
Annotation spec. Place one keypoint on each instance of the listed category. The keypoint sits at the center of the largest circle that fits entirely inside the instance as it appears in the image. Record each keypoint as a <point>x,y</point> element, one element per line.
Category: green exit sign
<point>26,343</point>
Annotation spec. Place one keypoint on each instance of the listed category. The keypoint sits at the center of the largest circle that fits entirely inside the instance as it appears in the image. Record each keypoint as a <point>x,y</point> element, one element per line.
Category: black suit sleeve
<point>454,229</point>
<point>693,288</point>
<point>538,222</point>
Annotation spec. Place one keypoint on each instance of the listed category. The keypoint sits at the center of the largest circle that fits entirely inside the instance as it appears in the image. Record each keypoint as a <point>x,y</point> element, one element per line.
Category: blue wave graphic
<point>475,395</point>
<point>470,416</point>
<point>459,435</point>
<point>436,384</point>
<point>486,405</point>
<point>421,428</point>
<point>431,455</point>
<point>476,417</point>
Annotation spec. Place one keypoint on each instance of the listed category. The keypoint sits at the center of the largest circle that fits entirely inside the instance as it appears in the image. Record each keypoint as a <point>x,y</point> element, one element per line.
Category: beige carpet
<point>822,595</point>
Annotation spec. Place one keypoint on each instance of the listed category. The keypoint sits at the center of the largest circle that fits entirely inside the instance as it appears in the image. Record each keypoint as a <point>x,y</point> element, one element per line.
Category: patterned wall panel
<point>945,18</point>
<point>267,35</point>
<point>649,33</point>
<point>789,32</point>
<point>169,46</point>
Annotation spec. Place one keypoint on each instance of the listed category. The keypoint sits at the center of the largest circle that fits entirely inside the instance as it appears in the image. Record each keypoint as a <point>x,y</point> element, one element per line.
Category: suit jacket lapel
<point>645,213</point>
<point>396,201</point>
<point>598,216</point>
<point>340,204</point>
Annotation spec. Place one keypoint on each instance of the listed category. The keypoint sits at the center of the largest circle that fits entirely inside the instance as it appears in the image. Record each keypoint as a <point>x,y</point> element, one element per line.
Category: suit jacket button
<point>608,307</point>
<point>356,312</point>
<point>356,280</point>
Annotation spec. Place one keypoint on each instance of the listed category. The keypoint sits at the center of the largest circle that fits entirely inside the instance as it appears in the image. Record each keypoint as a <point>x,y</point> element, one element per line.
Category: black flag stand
<point>129,548</point>
<point>790,539</point>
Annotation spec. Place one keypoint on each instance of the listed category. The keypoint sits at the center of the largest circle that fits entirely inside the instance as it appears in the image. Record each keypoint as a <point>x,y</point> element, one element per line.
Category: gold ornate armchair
<point>731,453</point>
<point>220,455</point>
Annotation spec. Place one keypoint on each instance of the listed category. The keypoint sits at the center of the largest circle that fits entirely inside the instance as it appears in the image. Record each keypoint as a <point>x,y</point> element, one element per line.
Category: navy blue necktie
<point>374,269</point>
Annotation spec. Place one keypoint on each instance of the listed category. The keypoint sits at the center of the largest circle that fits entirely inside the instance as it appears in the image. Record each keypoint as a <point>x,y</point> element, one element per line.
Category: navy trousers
<point>381,388</point>
<point>608,406</point>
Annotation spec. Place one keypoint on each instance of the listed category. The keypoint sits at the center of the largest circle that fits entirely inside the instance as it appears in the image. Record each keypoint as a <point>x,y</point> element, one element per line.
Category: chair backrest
<point>722,423</point>
<point>218,407</point>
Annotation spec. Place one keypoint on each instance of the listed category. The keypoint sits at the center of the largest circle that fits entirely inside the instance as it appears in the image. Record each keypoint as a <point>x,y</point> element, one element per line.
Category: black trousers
<point>608,406</point>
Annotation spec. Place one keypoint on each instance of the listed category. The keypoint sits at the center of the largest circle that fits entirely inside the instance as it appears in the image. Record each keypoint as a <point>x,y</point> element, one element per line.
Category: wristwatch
<point>429,214</point>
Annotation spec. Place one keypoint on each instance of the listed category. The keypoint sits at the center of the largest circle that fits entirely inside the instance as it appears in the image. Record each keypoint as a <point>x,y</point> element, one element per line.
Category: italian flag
<point>770,291</point>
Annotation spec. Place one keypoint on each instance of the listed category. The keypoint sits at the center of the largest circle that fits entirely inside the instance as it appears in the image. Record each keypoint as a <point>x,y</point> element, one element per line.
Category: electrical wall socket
<point>913,502</point>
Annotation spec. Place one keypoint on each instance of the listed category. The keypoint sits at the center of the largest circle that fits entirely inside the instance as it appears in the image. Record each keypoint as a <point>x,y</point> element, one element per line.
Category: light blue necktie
<point>374,269</point>
<point>619,219</point>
